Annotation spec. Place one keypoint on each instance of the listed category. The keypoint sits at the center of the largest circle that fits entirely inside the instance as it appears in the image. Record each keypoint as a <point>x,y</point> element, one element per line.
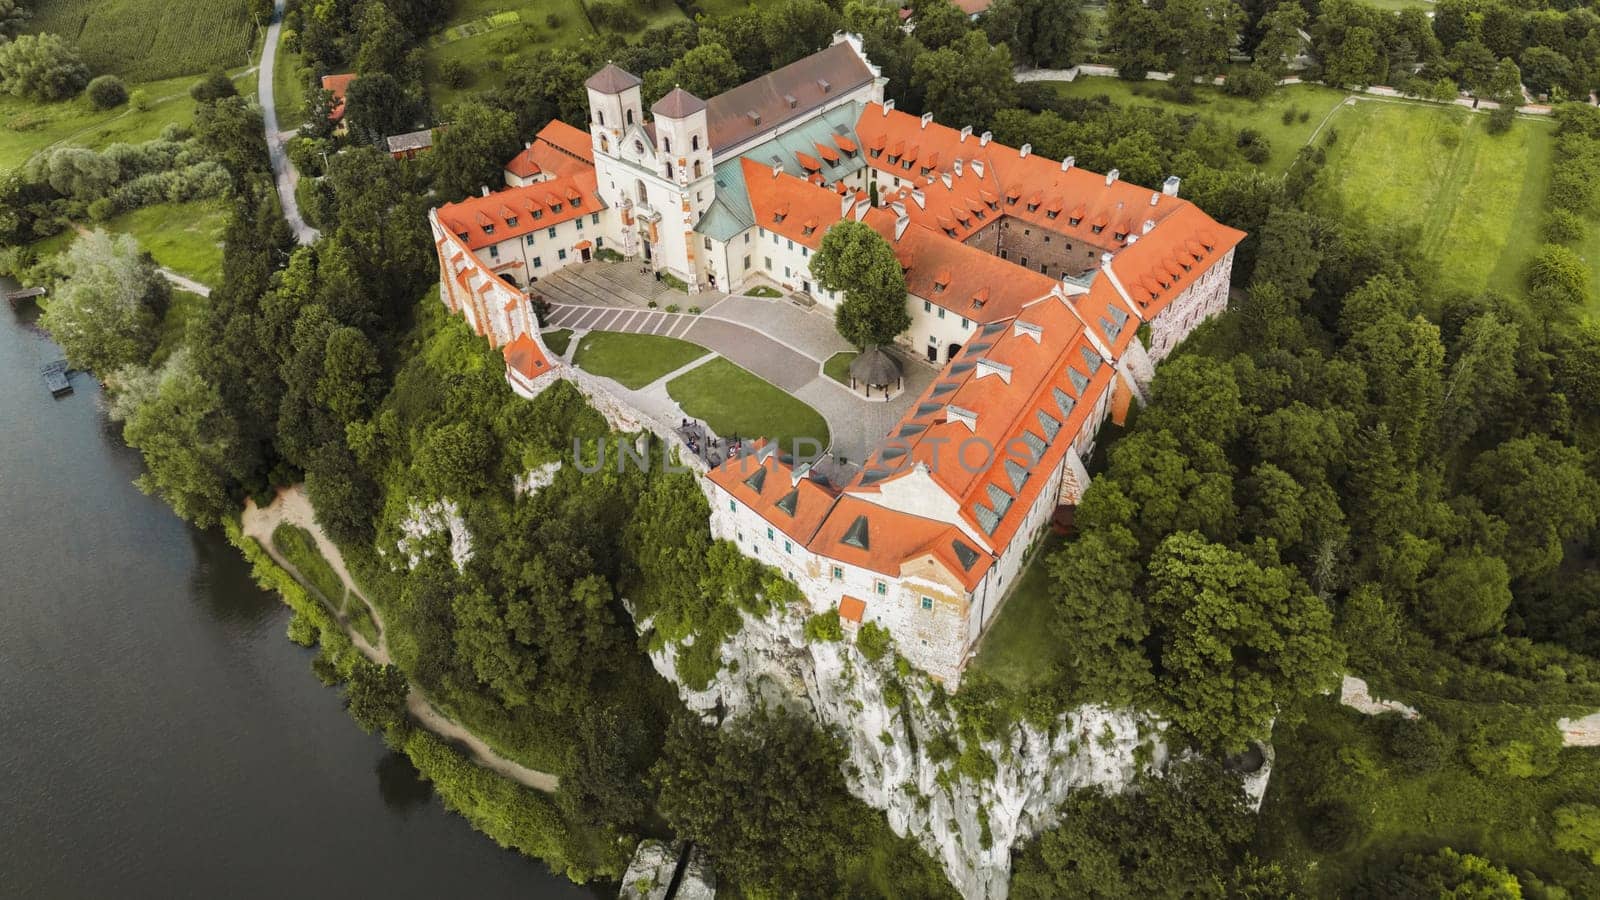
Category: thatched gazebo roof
<point>874,366</point>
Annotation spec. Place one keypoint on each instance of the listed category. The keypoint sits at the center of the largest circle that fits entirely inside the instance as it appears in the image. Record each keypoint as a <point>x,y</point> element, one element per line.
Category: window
<point>511,222</point>
<point>1074,221</point>
<point>1023,262</point>
<point>927,603</point>
<point>881,588</point>
<point>965,324</point>
<point>694,144</point>
<point>731,507</point>
<point>538,263</point>
<point>538,214</point>
<point>747,237</point>
<point>551,231</point>
<point>579,223</point>
<point>561,254</point>
<point>666,144</point>
<point>769,534</point>
<point>488,229</point>
<point>594,218</point>
<point>494,251</point>
<point>555,207</point>
<point>602,116</point>
<point>529,240</point>
<point>669,170</point>
<point>768,261</point>
<point>599,242</point>
<point>927,306</point>
<point>707,241</point>
<point>791,243</point>
<point>638,147</point>
<point>1097,228</point>
<point>788,547</point>
<point>629,117</point>
<point>805,252</point>
<point>838,574</point>
<point>941,312</point>
<point>747,263</point>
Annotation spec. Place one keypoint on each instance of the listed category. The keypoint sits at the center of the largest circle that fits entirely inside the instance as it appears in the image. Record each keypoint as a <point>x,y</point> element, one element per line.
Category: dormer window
<point>555,207</point>
<point>1051,214</point>
<point>488,229</point>
<point>576,201</point>
<point>1033,207</point>
<point>1096,229</point>
<point>1074,221</point>
<point>538,214</point>
<point>462,235</point>
<point>893,158</point>
<point>876,152</point>
<point>1120,235</point>
<point>511,222</point>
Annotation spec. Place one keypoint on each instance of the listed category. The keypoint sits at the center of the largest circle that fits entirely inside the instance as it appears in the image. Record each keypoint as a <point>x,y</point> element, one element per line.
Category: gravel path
<point>282,169</point>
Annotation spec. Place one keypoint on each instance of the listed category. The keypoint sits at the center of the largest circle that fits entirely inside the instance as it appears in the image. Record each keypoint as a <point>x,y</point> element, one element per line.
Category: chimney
<point>888,107</point>
<point>825,85</point>
<point>790,99</point>
<point>966,132</point>
<point>527,145</point>
<point>926,118</point>
<point>1170,186</point>
<point>485,189</point>
<point>985,138</point>
<point>1026,149</point>
<point>1105,260</point>
<point>1111,177</point>
<point>753,116</point>
<point>861,209</point>
<point>1068,163</point>
<point>1148,225</point>
<point>955,166</point>
<point>900,225</point>
<point>977,167</point>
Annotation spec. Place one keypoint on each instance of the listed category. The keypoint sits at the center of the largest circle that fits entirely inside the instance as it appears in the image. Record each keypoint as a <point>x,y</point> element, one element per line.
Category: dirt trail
<point>292,506</point>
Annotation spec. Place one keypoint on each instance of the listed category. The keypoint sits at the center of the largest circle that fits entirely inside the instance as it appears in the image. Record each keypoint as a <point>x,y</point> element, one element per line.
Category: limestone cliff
<point>891,724</point>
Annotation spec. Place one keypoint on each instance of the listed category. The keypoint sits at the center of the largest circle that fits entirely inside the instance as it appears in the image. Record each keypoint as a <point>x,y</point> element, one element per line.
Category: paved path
<point>188,284</point>
<point>292,506</point>
<point>282,169</point>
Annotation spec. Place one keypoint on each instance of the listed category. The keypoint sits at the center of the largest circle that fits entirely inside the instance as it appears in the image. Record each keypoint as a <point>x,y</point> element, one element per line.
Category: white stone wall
<point>538,253</point>
<point>934,326</point>
<point>1198,302</point>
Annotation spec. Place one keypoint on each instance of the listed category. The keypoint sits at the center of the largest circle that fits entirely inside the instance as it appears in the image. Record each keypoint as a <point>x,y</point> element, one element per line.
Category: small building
<point>408,145</point>
<point>338,86</point>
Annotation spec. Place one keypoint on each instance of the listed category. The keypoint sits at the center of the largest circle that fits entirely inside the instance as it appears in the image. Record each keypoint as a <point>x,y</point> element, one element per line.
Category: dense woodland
<point>1347,472</point>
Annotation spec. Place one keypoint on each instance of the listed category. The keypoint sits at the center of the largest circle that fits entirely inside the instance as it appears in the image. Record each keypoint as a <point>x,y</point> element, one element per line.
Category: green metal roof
<point>730,213</point>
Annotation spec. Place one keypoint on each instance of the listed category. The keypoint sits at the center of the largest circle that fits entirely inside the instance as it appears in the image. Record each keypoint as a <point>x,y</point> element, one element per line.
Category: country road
<point>282,169</point>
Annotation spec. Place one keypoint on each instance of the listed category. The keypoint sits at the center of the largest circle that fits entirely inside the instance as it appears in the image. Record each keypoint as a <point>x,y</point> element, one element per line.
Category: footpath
<point>293,507</point>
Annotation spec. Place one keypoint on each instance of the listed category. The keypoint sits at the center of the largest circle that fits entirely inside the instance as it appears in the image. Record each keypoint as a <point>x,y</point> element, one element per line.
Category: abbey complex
<point>1046,294</point>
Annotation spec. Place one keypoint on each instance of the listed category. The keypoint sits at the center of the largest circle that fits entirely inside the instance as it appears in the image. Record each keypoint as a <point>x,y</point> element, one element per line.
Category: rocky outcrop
<point>424,521</point>
<point>893,721</point>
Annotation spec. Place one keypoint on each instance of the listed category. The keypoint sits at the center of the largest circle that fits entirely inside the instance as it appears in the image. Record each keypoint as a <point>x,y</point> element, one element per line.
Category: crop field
<point>1475,198</point>
<point>147,40</point>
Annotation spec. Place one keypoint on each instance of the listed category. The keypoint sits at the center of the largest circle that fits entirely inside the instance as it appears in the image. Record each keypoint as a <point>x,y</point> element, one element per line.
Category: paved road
<point>282,170</point>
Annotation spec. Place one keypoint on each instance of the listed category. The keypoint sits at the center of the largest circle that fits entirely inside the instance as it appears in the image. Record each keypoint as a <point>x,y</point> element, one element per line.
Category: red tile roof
<point>337,85</point>
<point>976,286</point>
<point>789,205</point>
<point>526,356</point>
<point>850,609</point>
<point>764,483</point>
<point>489,220</point>
<point>558,150</point>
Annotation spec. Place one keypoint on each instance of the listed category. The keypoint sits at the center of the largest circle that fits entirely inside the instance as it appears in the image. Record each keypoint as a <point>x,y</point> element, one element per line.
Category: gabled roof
<point>612,80</point>
<point>790,206</point>
<point>526,356</point>
<point>763,104</point>
<point>677,104</point>
<point>769,487</point>
<point>411,140</point>
<point>977,286</point>
<point>481,221</point>
<point>559,149</point>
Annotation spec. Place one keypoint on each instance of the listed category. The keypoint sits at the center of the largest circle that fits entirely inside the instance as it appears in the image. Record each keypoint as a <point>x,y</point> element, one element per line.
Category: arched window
<point>669,170</point>
<point>605,145</point>
<point>666,144</point>
<point>694,142</point>
<point>629,116</point>
<point>697,169</point>
<point>639,192</point>
<point>600,116</point>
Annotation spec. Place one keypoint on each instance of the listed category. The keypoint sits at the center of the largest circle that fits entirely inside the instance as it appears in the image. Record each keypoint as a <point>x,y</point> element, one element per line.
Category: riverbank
<point>293,507</point>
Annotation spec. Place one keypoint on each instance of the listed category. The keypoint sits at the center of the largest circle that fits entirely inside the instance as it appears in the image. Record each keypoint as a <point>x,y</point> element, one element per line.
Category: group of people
<point>707,445</point>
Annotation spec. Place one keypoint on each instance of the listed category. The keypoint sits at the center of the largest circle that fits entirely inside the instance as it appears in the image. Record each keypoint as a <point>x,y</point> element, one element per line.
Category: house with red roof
<point>1044,293</point>
<point>337,85</point>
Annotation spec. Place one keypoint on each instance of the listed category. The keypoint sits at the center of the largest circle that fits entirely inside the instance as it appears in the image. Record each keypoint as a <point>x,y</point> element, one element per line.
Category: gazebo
<point>874,367</point>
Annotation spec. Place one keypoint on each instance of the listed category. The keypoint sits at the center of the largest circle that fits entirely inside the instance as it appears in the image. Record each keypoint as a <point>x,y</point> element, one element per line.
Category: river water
<point>159,736</point>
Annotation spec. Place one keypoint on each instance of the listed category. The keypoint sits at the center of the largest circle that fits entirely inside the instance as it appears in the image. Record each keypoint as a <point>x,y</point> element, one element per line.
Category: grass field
<point>733,401</point>
<point>838,366</point>
<point>291,82</point>
<point>300,549</point>
<point>558,340</point>
<point>633,360</point>
<point>27,127</point>
<point>1266,116</point>
<point>185,308</point>
<point>1475,198</point>
<point>1020,650</point>
<point>184,237</point>
<point>144,40</point>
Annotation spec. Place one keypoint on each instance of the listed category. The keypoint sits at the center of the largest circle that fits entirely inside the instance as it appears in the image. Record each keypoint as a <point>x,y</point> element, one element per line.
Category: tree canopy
<point>858,262</point>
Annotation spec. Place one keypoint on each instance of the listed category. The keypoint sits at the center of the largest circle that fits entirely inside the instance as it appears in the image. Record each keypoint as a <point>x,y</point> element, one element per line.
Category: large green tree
<point>472,150</point>
<point>41,67</point>
<point>859,262</point>
<point>107,312</point>
<point>966,82</point>
<point>177,420</point>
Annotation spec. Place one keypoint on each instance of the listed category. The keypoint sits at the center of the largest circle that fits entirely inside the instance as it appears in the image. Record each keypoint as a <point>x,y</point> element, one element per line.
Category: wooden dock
<point>16,297</point>
<point>55,378</point>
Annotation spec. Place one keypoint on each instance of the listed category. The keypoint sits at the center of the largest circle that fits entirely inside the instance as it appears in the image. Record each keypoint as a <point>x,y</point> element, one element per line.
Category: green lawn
<point>557,341</point>
<point>27,127</point>
<point>148,39</point>
<point>634,360</point>
<point>499,33</point>
<point>1476,199</point>
<point>733,401</point>
<point>1310,103</point>
<point>185,308</point>
<point>300,549</point>
<point>1020,649</point>
<point>184,237</point>
<point>838,366</point>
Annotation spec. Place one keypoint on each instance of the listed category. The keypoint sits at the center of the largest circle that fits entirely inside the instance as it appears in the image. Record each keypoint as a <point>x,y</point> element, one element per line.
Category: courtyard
<point>745,366</point>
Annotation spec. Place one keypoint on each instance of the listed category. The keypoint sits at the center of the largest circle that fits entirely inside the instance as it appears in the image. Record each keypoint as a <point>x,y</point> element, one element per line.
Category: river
<point>159,736</point>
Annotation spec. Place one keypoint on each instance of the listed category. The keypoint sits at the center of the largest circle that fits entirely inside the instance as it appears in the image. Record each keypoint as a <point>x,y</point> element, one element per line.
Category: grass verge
<point>299,548</point>
<point>1020,651</point>
<point>634,360</point>
<point>733,401</point>
<point>838,366</point>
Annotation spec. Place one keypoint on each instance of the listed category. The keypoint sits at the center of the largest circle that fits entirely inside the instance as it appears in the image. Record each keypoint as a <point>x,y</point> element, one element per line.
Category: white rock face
<point>1584,732</point>
<point>537,479</point>
<point>423,522</point>
<point>1354,693</point>
<point>770,660</point>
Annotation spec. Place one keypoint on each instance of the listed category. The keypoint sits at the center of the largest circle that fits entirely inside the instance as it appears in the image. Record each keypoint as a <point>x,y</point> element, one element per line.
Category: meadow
<point>148,40</point>
<point>1474,199</point>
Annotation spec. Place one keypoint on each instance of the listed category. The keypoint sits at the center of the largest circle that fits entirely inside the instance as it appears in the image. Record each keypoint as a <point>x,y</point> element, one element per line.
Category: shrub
<point>1288,116</point>
<point>606,254</point>
<point>1559,276</point>
<point>651,304</point>
<point>41,67</point>
<point>672,307</point>
<point>1331,827</point>
<point>699,662</point>
<point>214,86</point>
<point>102,209</point>
<point>1578,830</point>
<point>824,627</point>
<point>615,16</point>
<point>693,310</point>
<point>455,73</point>
<point>872,641</point>
<point>554,20</point>
<point>1562,226</point>
<point>1252,84</point>
<point>1305,115</point>
<point>139,100</point>
<point>1417,745</point>
<point>107,91</point>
